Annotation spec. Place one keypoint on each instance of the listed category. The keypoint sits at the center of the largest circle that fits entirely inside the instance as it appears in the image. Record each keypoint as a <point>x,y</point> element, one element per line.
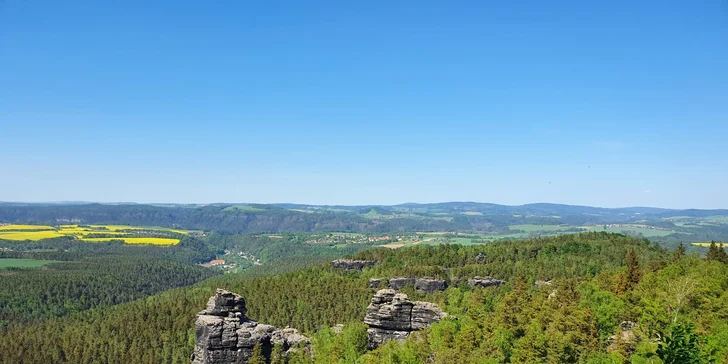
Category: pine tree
<point>257,357</point>
<point>276,356</point>
<point>679,252</point>
<point>633,269</point>
<point>716,253</point>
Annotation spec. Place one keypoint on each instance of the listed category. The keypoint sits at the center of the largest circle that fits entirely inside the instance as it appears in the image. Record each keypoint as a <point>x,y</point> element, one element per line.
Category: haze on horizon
<point>610,105</point>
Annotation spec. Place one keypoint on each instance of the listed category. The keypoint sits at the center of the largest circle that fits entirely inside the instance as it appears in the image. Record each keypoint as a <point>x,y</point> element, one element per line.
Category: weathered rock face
<point>398,283</point>
<point>430,285</point>
<point>425,284</point>
<point>226,336</point>
<point>484,282</point>
<point>392,316</point>
<point>375,282</point>
<point>350,264</point>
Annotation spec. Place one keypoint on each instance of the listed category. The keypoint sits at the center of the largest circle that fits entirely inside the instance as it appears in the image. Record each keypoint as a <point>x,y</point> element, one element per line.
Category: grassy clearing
<point>529,228</point>
<point>22,263</point>
<point>629,229</point>
<point>154,241</point>
<point>14,227</point>
<point>504,236</point>
<point>718,219</point>
<point>473,213</point>
<point>242,208</point>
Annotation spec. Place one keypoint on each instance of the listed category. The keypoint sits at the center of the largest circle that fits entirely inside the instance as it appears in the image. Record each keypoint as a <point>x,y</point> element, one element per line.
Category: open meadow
<point>22,263</point>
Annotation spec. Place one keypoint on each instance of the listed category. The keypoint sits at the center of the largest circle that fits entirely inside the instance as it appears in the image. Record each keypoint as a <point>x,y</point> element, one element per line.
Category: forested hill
<point>610,299</point>
<point>256,218</point>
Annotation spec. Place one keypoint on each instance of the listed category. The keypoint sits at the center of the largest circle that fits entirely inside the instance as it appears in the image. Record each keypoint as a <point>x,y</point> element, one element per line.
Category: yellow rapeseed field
<point>39,232</point>
<point>155,241</point>
<point>14,227</point>
<point>708,244</point>
<point>125,227</point>
<point>29,235</point>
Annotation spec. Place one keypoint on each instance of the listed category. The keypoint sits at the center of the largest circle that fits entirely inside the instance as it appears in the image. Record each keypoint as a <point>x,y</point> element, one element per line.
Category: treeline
<point>600,281</point>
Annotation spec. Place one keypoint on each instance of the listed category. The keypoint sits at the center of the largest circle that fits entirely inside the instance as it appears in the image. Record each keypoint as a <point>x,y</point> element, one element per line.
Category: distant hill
<point>261,218</point>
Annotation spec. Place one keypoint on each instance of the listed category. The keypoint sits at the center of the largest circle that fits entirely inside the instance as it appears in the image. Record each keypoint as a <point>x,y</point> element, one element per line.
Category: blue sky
<point>618,103</point>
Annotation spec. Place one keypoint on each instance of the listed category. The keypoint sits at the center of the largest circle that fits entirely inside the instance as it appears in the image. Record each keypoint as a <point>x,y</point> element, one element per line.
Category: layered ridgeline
<point>689,225</point>
<point>595,297</point>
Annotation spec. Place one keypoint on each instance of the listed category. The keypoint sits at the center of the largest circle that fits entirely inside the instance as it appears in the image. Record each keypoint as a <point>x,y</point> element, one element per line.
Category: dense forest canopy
<point>613,298</point>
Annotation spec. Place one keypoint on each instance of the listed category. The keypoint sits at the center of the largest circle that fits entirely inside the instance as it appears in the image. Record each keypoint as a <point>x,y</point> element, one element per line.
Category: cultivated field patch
<point>93,233</point>
<point>22,263</point>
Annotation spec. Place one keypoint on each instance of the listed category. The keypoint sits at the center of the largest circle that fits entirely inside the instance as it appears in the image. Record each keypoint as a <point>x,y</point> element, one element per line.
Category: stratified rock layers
<point>392,316</point>
<point>350,264</point>
<point>225,335</point>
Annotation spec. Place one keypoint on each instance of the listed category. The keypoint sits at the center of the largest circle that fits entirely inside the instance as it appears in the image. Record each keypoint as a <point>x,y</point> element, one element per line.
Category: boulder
<point>484,282</point>
<point>338,328</point>
<point>552,295</point>
<point>375,282</point>
<point>392,316</point>
<point>540,283</point>
<point>625,339</point>
<point>351,264</point>
<point>224,335</point>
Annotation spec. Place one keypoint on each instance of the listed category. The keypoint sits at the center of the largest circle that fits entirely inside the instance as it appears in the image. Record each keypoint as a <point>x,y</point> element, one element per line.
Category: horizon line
<point>350,205</point>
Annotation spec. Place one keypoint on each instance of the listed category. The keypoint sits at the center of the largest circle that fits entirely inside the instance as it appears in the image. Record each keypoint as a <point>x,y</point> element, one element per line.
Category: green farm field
<point>530,228</point>
<point>22,263</point>
<point>627,229</point>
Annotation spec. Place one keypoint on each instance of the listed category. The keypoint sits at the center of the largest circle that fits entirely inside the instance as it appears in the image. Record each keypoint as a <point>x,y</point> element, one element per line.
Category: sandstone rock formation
<point>392,316</point>
<point>225,335</point>
<point>425,284</point>
<point>430,285</point>
<point>350,264</point>
<point>398,283</point>
<point>484,282</point>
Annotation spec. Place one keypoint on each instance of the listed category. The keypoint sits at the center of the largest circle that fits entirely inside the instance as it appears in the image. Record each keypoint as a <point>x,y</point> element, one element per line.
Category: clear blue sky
<point>610,103</point>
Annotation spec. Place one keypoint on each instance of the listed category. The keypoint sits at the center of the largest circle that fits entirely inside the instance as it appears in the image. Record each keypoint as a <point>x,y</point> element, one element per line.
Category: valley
<point>106,290</point>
